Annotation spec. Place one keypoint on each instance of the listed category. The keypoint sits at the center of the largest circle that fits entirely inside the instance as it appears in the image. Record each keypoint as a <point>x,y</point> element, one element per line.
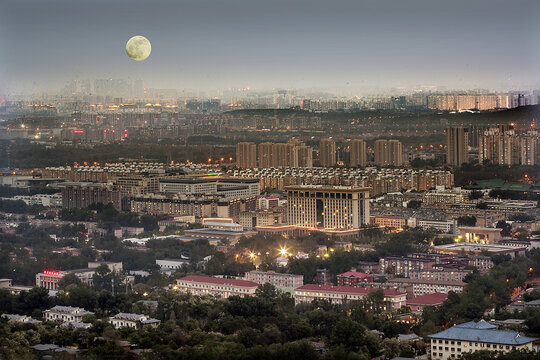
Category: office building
<point>358,153</point>
<point>49,279</point>
<point>274,278</point>
<point>457,145</point>
<point>476,336</point>
<point>328,207</point>
<point>206,285</point>
<point>327,152</point>
<point>393,300</point>
<point>388,152</point>
<point>246,155</point>
<point>424,287</point>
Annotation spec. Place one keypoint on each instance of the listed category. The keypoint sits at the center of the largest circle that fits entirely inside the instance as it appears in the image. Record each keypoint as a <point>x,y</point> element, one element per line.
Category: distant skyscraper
<point>388,152</point>
<point>358,152</point>
<point>327,150</point>
<point>246,155</point>
<point>457,145</point>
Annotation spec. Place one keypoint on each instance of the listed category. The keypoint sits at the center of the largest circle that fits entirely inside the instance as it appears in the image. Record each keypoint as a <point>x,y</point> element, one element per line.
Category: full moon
<point>138,48</point>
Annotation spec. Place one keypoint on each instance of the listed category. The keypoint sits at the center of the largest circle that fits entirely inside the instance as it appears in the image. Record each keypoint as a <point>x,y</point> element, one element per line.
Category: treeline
<point>19,207</point>
<point>109,217</point>
<point>466,173</point>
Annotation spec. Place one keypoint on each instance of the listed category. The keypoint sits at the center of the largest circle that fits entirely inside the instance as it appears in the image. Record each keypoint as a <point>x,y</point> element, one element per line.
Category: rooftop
<point>430,299</point>
<point>482,332</point>
<point>354,274</point>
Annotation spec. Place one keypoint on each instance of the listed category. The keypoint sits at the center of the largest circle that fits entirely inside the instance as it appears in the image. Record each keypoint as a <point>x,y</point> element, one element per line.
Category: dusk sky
<point>338,45</point>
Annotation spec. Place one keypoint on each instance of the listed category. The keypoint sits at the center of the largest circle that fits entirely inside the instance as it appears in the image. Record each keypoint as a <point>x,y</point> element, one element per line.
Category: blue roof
<point>482,324</point>
<point>478,332</point>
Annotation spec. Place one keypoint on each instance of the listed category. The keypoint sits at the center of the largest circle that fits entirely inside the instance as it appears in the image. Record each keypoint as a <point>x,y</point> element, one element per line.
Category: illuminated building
<point>49,279</point>
<point>328,207</point>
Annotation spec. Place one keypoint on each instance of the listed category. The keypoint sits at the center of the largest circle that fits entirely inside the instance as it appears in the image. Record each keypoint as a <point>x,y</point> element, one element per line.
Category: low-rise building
<point>207,285</point>
<point>419,287</point>
<point>342,294</point>
<point>65,314</point>
<point>473,336</point>
<point>274,278</point>
<point>49,278</point>
<point>386,221</point>
<point>440,274</point>
<point>172,264</point>
<point>20,318</point>
<point>352,278</point>
<point>252,219</point>
<point>403,265</point>
<point>135,321</point>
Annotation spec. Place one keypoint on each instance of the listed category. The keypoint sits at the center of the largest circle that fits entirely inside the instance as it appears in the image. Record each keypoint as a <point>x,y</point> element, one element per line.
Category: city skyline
<point>344,47</point>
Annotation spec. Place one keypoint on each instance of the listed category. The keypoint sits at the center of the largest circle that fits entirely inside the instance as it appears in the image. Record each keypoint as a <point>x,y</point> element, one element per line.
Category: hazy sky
<point>333,44</point>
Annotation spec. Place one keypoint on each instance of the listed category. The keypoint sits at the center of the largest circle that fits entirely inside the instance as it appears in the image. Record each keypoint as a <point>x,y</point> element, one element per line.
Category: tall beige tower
<point>358,152</point>
<point>246,155</point>
<point>457,149</point>
<point>327,149</point>
<point>388,152</point>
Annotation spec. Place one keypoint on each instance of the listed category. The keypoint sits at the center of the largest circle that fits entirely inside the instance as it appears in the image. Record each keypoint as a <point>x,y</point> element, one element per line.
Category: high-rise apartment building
<point>328,207</point>
<point>502,145</point>
<point>246,155</point>
<point>388,152</point>
<point>291,154</point>
<point>358,153</point>
<point>327,152</point>
<point>530,148</point>
<point>457,145</point>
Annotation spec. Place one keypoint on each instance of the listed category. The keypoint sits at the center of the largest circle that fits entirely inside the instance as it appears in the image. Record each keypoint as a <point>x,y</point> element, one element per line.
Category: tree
<point>482,205</point>
<point>414,204</point>
<point>466,220</point>
<point>102,278</point>
<point>506,227</point>
<point>69,281</point>
<point>475,194</point>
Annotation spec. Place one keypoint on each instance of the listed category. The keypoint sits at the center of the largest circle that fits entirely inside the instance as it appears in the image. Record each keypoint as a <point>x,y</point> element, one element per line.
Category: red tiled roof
<point>346,289</point>
<point>430,299</point>
<point>218,281</point>
<point>354,274</point>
